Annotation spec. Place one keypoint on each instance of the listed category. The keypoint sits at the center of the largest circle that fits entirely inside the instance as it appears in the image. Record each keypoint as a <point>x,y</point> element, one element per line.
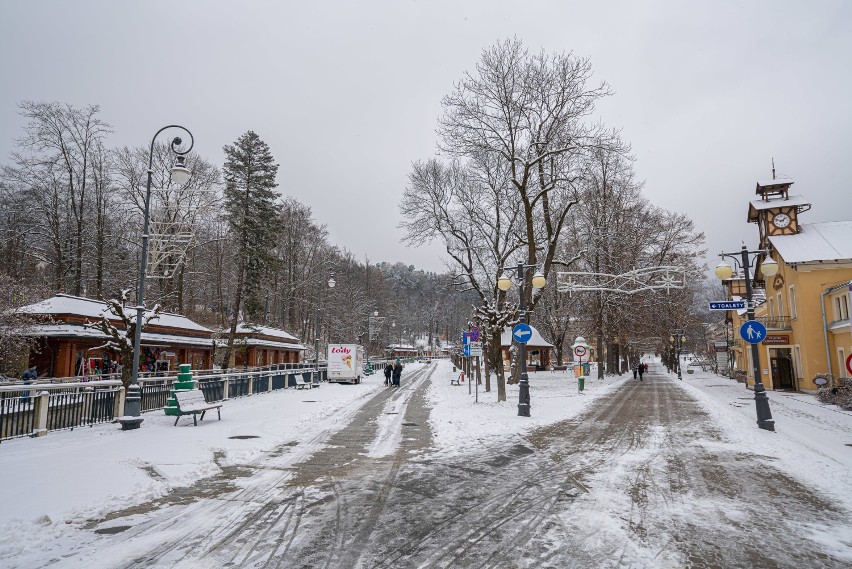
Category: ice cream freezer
<point>345,363</point>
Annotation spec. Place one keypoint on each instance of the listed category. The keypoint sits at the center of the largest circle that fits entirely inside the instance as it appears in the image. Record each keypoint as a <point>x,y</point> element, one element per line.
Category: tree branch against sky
<point>514,132</point>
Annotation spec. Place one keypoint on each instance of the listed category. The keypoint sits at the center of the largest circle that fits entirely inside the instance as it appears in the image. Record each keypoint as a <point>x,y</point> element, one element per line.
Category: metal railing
<point>17,414</point>
<point>84,408</point>
<point>35,409</point>
<point>775,322</point>
<point>39,407</point>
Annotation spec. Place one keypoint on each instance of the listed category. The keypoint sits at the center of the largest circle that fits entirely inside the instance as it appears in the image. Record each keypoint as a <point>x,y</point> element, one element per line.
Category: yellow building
<point>806,305</point>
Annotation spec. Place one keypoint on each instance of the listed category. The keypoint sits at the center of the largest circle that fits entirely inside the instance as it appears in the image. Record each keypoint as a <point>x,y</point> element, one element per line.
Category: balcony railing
<point>775,322</point>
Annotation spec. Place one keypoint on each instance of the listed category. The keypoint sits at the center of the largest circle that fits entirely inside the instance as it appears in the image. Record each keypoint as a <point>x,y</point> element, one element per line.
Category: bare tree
<point>517,132</point>
<point>120,338</point>
<point>18,332</point>
<point>60,142</point>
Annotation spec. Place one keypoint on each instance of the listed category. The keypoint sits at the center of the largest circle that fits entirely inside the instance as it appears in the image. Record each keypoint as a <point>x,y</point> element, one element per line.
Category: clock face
<point>781,220</point>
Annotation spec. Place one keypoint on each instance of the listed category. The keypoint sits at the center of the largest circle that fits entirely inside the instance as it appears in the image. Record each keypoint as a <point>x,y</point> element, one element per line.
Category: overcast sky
<point>347,94</point>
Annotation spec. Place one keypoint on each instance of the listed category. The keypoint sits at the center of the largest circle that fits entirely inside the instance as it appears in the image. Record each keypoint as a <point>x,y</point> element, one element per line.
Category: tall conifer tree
<point>252,212</point>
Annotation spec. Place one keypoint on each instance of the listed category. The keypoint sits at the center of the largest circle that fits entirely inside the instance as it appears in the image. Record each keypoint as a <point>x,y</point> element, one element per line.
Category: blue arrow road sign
<point>522,333</point>
<point>753,332</point>
<point>467,350</point>
<point>728,305</point>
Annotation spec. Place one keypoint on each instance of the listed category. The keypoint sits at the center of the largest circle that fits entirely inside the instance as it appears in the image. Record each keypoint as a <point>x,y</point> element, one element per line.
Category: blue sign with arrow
<point>728,305</point>
<point>522,333</point>
<point>753,332</point>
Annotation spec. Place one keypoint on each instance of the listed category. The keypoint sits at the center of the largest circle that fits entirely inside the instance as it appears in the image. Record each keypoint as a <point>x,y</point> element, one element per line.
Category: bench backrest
<point>188,399</point>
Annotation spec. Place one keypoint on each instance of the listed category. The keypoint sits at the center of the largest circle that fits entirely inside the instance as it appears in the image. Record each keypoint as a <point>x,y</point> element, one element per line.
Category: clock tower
<point>775,211</point>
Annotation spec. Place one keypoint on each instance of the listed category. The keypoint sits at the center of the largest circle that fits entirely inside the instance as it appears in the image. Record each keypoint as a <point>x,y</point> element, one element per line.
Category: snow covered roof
<point>148,338</point>
<point>536,340</point>
<point>255,342</point>
<point>817,243</point>
<point>776,183</point>
<point>93,309</point>
<point>402,347</point>
<point>755,206</point>
<point>249,328</point>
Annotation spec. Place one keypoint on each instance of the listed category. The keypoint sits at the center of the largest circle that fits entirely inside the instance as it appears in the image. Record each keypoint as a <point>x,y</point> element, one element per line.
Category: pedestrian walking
<point>388,372</point>
<point>397,372</point>
<point>635,370</point>
<point>641,371</point>
<point>646,366</point>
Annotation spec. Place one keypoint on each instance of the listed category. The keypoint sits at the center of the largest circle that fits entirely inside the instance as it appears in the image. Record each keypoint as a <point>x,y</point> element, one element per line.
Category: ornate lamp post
<point>331,282</point>
<point>372,322</point>
<point>180,175</point>
<point>504,283</point>
<point>677,338</point>
<point>769,267</point>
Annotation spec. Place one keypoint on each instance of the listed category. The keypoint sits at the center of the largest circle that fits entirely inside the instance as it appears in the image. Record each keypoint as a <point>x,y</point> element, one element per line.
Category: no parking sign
<point>580,349</point>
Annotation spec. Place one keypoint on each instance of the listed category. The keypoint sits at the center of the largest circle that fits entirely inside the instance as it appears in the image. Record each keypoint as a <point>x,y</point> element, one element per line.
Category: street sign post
<point>728,305</point>
<point>753,331</point>
<point>475,348</point>
<point>522,333</point>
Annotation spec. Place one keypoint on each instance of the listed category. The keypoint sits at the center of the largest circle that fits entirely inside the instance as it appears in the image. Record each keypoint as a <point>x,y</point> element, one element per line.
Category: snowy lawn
<point>459,424</point>
<point>812,441</point>
<point>83,473</point>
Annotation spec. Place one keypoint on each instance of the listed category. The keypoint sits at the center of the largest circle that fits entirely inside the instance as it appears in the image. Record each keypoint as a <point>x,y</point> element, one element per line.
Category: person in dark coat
<point>635,370</point>
<point>397,372</point>
<point>641,371</point>
<point>388,372</point>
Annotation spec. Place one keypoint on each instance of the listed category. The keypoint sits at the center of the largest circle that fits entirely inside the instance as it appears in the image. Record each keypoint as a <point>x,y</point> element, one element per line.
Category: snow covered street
<point>658,473</point>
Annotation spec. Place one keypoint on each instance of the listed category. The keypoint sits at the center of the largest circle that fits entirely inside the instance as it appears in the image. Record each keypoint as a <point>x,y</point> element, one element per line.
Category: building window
<point>771,308</point>
<point>841,363</point>
<point>793,312</point>
<point>780,306</point>
<point>841,307</point>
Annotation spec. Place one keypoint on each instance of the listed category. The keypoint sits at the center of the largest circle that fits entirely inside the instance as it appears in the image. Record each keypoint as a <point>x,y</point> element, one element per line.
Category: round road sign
<point>580,351</point>
<point>849,363</point>
<point>753,332</point>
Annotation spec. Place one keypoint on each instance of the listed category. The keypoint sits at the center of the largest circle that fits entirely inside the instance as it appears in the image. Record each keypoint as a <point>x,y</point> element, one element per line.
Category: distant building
<point>67,348</point>
<point>401,351</point>
<point>256,346</point>
<point>806,305</point>
<point>538,350</point>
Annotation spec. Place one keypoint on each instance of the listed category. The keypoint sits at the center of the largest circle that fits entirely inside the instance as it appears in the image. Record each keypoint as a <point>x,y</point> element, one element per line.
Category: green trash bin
<point>581,383</point>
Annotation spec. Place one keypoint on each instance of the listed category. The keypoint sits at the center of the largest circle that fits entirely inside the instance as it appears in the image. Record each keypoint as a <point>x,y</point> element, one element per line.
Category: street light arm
<point>175,144</point>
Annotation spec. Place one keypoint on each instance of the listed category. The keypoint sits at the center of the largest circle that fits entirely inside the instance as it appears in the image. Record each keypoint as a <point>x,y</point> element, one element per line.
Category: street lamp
<point>180,175</point>
<point>677,338</point>
<point>331,282</point>
<point>769,267</point>
<point>504,283</point>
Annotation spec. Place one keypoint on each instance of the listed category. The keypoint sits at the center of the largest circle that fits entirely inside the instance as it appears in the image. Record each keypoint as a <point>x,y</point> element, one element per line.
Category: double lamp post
<point>677,339</point>
<point>331,282</point>
<point>504,283</point>
<point>769,267</point>
<point>180,175</point>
